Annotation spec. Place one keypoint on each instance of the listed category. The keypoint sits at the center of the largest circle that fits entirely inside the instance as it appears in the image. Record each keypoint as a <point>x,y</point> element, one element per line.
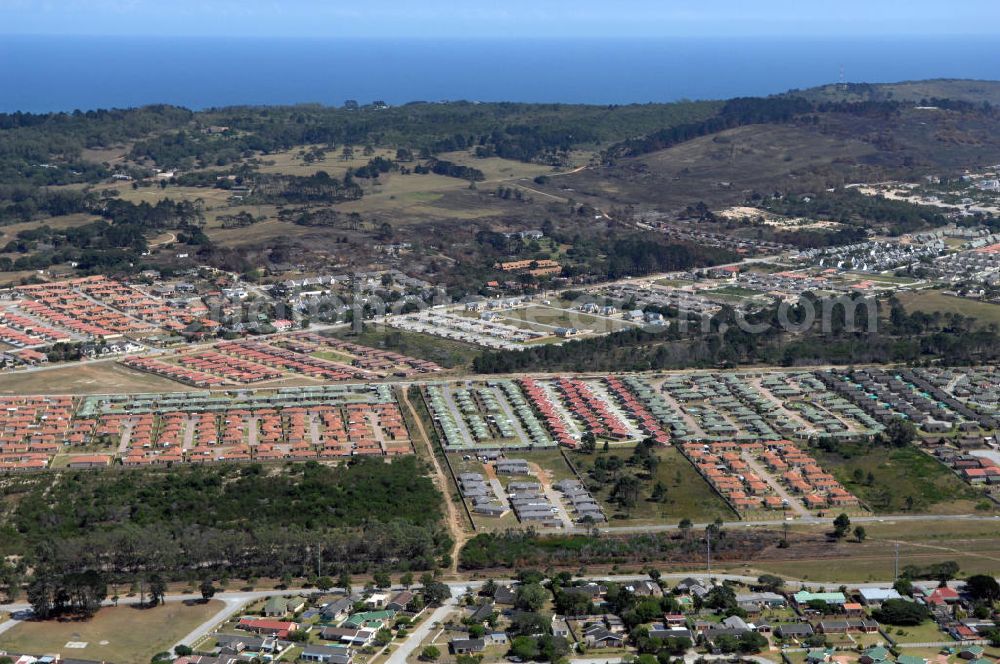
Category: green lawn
<point>333,356</point>
<point>925,633</point>
<point>896,475</point>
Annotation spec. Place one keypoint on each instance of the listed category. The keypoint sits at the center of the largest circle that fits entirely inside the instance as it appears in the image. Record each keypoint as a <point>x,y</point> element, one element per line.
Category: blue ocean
<point>39,74</point>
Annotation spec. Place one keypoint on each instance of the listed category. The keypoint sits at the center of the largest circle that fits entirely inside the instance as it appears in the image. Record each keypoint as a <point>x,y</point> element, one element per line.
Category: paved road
<point>689,658</point>
<point>812,520</point>
<point>794,503</point>
<point>423,630</point>
<point>232,603</point>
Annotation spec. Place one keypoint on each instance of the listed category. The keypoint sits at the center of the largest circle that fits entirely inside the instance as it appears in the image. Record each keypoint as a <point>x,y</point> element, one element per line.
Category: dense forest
<point>517,550</point>
<point>720,341</point>
<point>316,188</point>
<point>240,520</point>
<point>853,208</point>
<point>527,132</point>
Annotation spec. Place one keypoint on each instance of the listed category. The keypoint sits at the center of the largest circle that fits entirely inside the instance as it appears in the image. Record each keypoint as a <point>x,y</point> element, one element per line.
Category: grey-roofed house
<point>338,609</point>
<point>326,654</point>
<point>400,601</point>
<point>598,636</point>
<point>505,595</point>
<point>467,646</point>
<point>875,596</point>
<point>661,632</point>
<point>794,630</point>
<point>760,599</point>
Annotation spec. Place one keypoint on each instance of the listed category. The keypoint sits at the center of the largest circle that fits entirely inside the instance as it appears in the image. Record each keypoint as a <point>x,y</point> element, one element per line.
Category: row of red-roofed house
<point>233,369</point>
<point>140,305</point>
<point>173,371</point>
<point>723,466</point>
<point>33,429</point>
<point>591,410</point>
<point>377,360</point>
<point>65,305</point>
<point>550,413</point>
<point>33,328</point>
<point>648,422</point>
<point>800,473</point>
<point>288,360</point>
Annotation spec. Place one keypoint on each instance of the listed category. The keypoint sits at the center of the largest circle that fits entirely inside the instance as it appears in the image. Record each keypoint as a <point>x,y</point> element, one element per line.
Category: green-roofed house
<point>803,597</point>
<point>971,652</point>
<point>369,619</point>
<point>276,607</point>
<point>910,659</point>
<point>876,655</point>
<point>818,655</point>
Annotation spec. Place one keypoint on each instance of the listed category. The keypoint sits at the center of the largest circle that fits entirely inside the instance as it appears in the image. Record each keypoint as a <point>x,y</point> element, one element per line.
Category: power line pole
<point>708,547</point>
<point>896,565</point>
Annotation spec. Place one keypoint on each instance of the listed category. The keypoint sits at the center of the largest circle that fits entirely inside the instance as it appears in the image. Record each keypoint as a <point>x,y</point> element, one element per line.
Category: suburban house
<point>400,601</point>
<point>876,655</point>
<point>338,609</point>
<point>278,607</point>
<point>276,628</point>
<point>803,597</point>
<point>794,630</point>
<point>467,646</point>
<point>644,589</point>
<point>845,626</point>
<point>756,601</point>
<point>875,596</point>
<point>348,636</point>
<point>598,636</point>
<point>326,654</point>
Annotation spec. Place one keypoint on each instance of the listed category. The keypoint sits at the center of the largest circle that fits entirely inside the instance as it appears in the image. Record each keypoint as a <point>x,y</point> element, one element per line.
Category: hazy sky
<point>502,18</point>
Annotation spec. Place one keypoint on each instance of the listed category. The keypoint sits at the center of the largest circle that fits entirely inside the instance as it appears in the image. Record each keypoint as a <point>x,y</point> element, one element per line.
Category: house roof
<point>468,644</point>
<point>878,594</point>
<point>878,653</point>
<point>804,597</point>
<point>910,659</point>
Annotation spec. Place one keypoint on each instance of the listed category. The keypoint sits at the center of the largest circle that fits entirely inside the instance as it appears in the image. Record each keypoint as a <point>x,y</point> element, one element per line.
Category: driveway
<point>423,630</point>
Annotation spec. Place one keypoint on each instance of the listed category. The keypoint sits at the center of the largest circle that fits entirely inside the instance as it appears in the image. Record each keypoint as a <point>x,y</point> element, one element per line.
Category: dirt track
<point>458,534</point>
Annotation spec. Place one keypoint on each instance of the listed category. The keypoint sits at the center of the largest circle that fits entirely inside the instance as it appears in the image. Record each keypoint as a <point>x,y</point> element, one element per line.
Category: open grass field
<point>125,635</point>
<point>884,278</point>
<point>974,545</point>
<point>54,273</point>
<point>9,232</point>
<point>86,378</point>
<point>896,476</point>
<point>290,162</point>
<point>870,567</point>
<point>153,194</point>
<point>551,316</point>
<point>262,231</point>
<point>445,352</point>
<point>688,495</point>
<point>930,301</point>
